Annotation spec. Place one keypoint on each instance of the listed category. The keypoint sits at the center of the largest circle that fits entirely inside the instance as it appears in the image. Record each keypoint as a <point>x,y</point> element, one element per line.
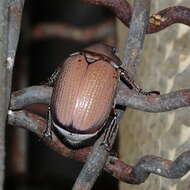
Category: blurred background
<point>50,32</point>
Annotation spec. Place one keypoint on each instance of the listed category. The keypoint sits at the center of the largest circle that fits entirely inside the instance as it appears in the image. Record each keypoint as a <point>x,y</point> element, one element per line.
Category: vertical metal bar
<point>9,32</point>
<point>17,139</point>
<point>136,35</point>
<point>4,95</point>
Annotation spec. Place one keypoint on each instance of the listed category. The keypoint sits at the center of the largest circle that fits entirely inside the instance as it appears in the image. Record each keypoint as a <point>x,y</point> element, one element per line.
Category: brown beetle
<point>83,95</point>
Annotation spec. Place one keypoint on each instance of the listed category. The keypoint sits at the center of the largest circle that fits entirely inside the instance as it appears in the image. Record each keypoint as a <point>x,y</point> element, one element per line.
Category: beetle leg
<point>110,128</point>
<point>48,130</point>
<point>131,84</point>
<point>53,77</point>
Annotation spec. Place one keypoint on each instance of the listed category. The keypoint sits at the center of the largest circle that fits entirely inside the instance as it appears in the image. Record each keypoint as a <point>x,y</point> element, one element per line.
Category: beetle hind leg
<point>131,84</point>
<point>110,129</point>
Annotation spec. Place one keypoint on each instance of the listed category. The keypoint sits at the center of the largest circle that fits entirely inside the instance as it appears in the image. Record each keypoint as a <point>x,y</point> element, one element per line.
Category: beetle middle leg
<point>110,129</point>
<point>131,84</point>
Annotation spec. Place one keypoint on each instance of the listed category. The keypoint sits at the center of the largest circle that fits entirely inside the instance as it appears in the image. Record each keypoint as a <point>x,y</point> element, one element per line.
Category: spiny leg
<point>110,129</point>
<point>53,77</point>
<point>131,84</point>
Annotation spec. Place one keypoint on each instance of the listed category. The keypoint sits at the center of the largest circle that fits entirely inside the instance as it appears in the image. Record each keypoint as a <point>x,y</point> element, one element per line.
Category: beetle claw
<point>47,133</point>
<point>107,146</point>
<point>141,91</point>
<point>113,153</point>
<point>154,93</point>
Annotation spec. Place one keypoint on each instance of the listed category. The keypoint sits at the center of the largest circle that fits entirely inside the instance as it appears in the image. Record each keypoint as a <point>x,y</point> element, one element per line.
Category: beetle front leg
<point>110,129</point>
<point>48,130</point>
<point>131,84</point>
<point>53,77</point>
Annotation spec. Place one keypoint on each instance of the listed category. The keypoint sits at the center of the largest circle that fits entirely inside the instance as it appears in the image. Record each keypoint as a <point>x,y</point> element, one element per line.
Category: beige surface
<point>166,67</point>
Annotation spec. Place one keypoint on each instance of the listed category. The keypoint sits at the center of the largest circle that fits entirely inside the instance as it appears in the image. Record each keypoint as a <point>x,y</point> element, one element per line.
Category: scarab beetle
<point>83,95</point>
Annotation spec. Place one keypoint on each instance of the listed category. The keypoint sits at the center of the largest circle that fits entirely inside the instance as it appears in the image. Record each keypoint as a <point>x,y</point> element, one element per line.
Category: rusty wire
<point>136,35</point>
<point>125,97</point>
<point>167,17</point>
<point>94,164</point>
<point>122,9</point>
<point>157,22</point>
<point>131,174</point>
<point>148,164</point>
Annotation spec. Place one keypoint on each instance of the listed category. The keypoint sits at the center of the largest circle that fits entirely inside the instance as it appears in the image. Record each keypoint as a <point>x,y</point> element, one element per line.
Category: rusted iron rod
<point>10,19</point>
<point>157,22</point>
<point>37,125</point>
<point>94,164</point>
<point>167,17</point>
<point>15,9</point>
<point>4,94</point>
<point>150,165</point>
<point>155,104</point>
<point>30,95</point>
<point>125,97</point>
<point>136,36</point>
<point>130,174</point>
<point>160,166</point>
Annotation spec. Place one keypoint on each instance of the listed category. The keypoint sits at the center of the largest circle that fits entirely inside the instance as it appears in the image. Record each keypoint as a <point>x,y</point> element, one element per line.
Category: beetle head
<point>105,50</point>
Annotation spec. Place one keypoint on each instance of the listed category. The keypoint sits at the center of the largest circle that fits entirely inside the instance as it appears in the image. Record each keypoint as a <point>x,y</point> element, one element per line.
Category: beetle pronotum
<point>83,95</point>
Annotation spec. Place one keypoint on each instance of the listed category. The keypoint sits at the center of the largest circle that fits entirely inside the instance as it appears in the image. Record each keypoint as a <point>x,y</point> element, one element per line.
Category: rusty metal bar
<point>93,165</point>
<point>4,95</point>
<point>162,167</point>
<point>15,9</point>
<point>157,22</point>
<point>10,18</point>
<point>167,17</point>
<point>17,142</point>
<point>30,95</point>
<point>157,103</point>
<point>125,97</point>
<point>37,125</point>
<point>130,174</point>
<point>136,36</point>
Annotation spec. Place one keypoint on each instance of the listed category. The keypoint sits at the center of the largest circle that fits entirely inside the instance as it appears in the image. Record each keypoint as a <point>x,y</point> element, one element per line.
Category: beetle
<point>82,102</point>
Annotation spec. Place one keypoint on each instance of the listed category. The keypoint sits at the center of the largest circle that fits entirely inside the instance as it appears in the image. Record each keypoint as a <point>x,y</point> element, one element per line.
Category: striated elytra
<point>83,95</point>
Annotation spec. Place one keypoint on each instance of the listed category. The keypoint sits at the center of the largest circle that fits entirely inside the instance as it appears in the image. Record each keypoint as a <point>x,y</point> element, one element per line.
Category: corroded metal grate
<point>140,24</point>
